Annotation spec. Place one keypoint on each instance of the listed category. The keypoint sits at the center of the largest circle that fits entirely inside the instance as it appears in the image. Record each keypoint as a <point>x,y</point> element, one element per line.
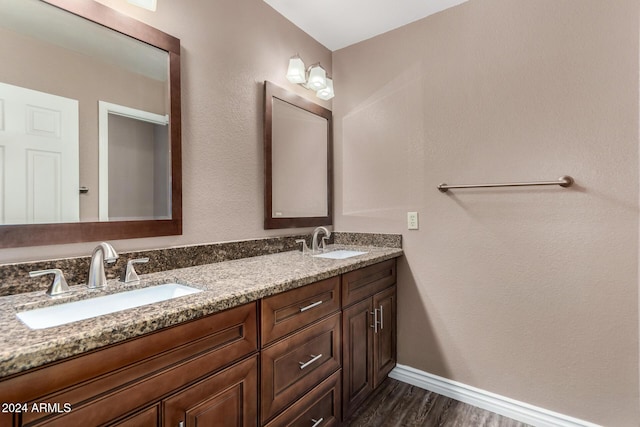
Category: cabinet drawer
<point>367,281</point>
<point>137,372</point>
<point>295,365</point>
<point>297,308</point>
<point>320,407</point>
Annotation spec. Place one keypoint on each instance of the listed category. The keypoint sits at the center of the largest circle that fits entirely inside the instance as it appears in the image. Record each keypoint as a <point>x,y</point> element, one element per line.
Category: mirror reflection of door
<point>38,157</point>
<point>134,169</point>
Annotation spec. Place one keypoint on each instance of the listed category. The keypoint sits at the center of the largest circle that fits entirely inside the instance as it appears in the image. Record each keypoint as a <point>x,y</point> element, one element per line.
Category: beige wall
<point>229,48</point>
<point>528,293</point>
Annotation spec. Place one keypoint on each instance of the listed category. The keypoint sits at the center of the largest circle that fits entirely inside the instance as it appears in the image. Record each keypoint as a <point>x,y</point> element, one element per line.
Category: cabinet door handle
<point>381,318</point>
<point>374,313</point>
<point>313,359</point>
<point>181,424</point>
<point>316,423</point>
<point>310,306</point>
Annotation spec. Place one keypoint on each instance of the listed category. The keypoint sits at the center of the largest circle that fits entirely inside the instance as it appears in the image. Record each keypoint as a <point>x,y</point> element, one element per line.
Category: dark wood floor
<point>397,404</point>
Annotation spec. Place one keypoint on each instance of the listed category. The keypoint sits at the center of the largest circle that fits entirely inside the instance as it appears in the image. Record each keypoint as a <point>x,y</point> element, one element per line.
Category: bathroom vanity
<point>281,339</point>
<point>156,376</point>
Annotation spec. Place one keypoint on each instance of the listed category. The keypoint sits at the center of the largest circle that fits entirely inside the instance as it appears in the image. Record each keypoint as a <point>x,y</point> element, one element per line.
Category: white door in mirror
<point>38,157</point>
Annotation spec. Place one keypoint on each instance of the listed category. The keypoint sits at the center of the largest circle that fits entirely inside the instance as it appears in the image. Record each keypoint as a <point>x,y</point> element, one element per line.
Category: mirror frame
<point>12,236</point>
<point>272,91</point>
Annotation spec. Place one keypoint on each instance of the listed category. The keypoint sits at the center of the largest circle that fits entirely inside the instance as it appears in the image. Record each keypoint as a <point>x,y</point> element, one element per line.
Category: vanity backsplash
<point>14,278</point>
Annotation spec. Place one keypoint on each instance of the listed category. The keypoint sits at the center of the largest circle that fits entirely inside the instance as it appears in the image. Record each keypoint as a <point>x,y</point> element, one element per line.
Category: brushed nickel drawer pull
<point>310,306</point>
<point>181,424</point>
<point>313,359</point>
<point>381,318</point>
<point>374,313</point>
<point>316,423</point>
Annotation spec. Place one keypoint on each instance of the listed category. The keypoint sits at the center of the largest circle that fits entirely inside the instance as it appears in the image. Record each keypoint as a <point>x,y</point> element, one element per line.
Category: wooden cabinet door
<point>226,399</point>
<point>384,340</point>
<point>357,356</point>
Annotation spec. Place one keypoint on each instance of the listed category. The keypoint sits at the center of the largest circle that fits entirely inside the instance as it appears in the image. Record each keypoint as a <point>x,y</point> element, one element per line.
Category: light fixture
<point>314,78</point>
<point>317,77</point>
<point>327,92</point>
<point>296,72</point>
<point>145,4</point>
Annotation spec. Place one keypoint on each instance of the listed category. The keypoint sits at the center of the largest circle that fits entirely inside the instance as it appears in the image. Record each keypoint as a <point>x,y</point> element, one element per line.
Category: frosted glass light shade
<point>146,4</point>
<point>296,71</point>
<point>317,78</point>
<point>327,92</point>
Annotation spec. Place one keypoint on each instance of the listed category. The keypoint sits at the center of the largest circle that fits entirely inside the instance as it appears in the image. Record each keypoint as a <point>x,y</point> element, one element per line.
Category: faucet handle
<point>129,274</point>
<point>58,285</point>
<point>305,248</point>
<point>323,246</point>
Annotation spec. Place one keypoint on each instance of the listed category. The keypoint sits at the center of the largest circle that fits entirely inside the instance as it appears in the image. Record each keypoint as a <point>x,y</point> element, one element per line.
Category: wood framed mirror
<point>138,52</point>
<point>298,153</point>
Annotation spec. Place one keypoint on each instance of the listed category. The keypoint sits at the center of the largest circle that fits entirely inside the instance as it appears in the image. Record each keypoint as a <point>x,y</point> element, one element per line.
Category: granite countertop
<point>224,284</point>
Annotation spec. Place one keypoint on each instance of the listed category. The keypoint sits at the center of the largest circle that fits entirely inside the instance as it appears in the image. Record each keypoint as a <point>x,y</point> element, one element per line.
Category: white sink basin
<point>61,314</point>
<point>340,254</point>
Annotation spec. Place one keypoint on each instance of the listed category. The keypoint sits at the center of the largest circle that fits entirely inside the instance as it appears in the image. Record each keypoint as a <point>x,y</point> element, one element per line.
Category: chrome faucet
<point>314,240</point>
<point>103,252</point>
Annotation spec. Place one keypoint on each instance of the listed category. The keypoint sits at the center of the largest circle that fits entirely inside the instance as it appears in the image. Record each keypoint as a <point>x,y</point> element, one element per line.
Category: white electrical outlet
<point>412,220</point>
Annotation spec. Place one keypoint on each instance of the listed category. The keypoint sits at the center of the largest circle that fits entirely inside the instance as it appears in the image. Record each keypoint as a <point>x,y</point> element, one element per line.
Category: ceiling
<point>340,23</point>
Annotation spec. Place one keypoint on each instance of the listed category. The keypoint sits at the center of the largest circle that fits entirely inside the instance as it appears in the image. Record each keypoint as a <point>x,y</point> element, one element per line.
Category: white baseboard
<point>514,409</point>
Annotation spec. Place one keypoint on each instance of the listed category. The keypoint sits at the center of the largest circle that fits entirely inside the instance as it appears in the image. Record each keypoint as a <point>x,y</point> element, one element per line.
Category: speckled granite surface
<point>224,284</point>
<point>14,278</point>
<point>367,239</point>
